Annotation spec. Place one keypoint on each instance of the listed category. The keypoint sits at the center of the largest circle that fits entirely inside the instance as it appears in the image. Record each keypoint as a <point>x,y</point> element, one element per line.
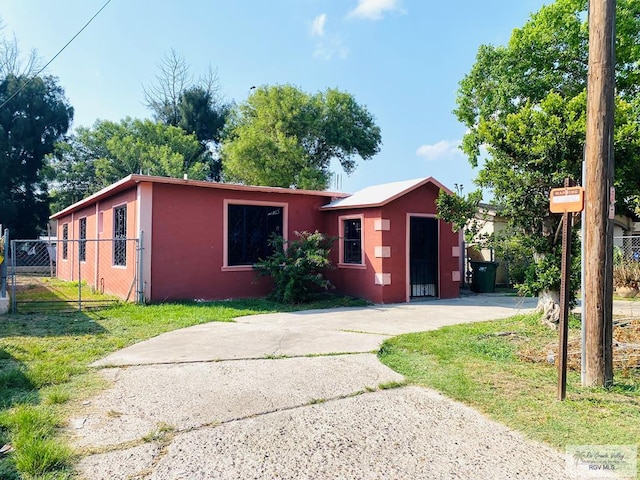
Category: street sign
<point>566,200</point>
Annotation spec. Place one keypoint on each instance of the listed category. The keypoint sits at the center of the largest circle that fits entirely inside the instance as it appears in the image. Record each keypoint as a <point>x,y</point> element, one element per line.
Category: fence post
<point>14,301</point>
<point>3,265</point>
<point>79,279</point>
<point>4,301</point>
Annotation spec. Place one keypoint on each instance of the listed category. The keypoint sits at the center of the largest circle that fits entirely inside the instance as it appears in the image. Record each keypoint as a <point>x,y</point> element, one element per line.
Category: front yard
<point>44,370</point>
<point>505,370</point>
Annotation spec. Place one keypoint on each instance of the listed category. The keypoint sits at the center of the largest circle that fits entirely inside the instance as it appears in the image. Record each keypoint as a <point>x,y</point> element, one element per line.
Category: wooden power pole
<point>597,310</point>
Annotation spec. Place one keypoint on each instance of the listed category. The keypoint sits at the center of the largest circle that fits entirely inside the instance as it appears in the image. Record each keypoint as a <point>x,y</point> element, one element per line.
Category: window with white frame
<point>352,241</point>
<point>249,229</point>
<point>120,236</point>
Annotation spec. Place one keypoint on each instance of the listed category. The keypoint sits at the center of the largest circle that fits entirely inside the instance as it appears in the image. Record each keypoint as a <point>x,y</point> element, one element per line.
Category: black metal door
<point>423,257</point>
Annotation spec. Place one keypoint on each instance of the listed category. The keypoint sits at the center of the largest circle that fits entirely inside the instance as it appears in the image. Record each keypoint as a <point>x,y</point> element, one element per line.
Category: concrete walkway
<point>296,396</point>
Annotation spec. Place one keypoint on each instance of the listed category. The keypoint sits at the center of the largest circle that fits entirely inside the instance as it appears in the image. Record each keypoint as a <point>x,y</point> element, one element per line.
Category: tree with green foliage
<point>71,174</point>
<point>34,118</point>
<point>297,266</point>
<point>176,99</point>
<point>96,157</point>
<point>284,137</point>
<point>526,104</point>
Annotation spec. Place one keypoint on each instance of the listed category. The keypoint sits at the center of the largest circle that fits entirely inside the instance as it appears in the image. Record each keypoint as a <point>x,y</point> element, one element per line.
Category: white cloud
<point>441,150</point>
<point>374,9</point>
<point>330,48</point>
<point>317,26</point>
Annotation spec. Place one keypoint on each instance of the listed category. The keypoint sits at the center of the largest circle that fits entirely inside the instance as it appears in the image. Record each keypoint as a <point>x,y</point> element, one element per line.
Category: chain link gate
<point>64,275</point>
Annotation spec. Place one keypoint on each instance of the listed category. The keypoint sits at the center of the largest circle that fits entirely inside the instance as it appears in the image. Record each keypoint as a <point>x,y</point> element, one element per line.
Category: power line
<point>26,84</point>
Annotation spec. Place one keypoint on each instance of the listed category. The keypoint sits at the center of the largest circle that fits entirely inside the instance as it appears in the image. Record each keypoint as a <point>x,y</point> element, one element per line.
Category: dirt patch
<point>626,347</point>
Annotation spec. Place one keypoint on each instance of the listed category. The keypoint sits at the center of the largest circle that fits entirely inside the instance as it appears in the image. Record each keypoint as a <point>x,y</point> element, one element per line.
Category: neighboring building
<point>199,240</point>
<point>491,222</point>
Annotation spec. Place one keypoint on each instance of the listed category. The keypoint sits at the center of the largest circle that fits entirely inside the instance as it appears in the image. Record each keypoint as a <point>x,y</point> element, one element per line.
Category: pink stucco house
<point>200,239</point>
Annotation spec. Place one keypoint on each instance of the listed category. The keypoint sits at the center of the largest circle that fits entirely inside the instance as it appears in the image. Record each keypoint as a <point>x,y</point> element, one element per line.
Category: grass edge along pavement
<point>44,368</point>
<point>504,370</point>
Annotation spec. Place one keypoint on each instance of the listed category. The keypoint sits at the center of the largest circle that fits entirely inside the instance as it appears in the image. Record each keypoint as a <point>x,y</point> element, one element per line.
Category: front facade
<point>159,239</point>
<point>406,252</point>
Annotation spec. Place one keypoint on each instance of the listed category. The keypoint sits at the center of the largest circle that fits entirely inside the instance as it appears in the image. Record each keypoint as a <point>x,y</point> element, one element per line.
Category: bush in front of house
<point>297,266</point>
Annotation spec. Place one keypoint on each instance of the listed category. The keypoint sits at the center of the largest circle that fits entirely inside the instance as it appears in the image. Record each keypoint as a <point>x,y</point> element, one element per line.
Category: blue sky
<point>402,59</point>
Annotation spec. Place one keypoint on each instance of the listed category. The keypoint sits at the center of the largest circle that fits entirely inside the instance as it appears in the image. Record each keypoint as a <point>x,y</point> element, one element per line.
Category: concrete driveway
<point>296,396</point>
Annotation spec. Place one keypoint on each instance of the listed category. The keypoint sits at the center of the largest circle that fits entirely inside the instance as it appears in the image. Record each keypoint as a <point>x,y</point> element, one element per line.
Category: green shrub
<point>296,266</point>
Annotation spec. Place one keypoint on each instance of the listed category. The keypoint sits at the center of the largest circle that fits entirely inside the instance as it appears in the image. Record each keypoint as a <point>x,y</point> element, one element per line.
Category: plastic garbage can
<point>483,278</point>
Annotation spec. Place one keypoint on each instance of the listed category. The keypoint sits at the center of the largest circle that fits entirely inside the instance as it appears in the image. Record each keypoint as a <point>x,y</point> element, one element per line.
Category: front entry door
<point>423,257</point>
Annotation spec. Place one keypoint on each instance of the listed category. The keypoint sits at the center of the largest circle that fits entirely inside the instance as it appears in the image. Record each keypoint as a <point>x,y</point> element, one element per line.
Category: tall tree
<point>284,137</point>
<point>526,103</point>
<point>178,100</point>
<point>31,123</point>
<point>96,157</point>
<point>12,61</point>
<point>71,171</point>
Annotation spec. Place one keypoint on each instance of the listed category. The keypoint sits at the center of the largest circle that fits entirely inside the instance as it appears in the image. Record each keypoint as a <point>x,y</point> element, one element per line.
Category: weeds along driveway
<point>295,395</point>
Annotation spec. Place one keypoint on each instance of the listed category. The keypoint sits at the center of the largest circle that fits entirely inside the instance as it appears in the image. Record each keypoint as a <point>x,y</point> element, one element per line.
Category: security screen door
<point>423,257</point>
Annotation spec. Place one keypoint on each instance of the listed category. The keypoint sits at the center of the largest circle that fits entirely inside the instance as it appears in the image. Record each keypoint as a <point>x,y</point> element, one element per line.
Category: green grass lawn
<point>500,369</point>
<point>44,360</point>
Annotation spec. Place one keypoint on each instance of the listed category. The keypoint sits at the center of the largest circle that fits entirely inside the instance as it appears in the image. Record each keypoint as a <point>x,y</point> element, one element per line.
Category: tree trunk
<point>549,305</point>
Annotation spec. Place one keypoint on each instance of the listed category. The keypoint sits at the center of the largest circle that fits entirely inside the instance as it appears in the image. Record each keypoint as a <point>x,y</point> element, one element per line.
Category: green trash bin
<point>483,279</point>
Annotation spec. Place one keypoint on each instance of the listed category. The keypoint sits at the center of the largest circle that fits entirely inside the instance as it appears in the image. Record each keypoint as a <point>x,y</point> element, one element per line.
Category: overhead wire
<point>26,84</point>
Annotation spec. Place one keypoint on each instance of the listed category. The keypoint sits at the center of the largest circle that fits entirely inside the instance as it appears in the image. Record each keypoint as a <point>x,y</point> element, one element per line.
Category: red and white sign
<point>566,199</point>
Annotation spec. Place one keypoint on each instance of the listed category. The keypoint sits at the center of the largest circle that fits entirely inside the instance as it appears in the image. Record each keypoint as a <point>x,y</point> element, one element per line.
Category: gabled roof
<point>379,195</point>
<point>130,181</point>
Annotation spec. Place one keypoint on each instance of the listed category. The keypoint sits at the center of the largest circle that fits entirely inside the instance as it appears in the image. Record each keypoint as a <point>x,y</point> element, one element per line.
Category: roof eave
<point>134,179</point>
<point>105,192</point>
<point>392,198</point>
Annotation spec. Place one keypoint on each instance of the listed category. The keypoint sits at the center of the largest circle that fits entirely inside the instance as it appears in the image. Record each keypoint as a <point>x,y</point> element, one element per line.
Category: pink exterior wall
<point>421,203</point>
<point>356,280</point>
<point>98,270</point>
<point>188,254</point>
<point>184,242</point>
<point>384,278</point>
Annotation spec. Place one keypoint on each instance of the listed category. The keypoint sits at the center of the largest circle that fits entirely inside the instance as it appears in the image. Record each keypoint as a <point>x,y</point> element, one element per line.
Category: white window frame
<point>341,262</point>
<point>113,230</point>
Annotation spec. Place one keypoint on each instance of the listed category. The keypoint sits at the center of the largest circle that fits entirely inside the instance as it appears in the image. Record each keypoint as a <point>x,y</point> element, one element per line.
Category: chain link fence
<point>62,275</point>
<point>626,249</point>
<point>4,260</point>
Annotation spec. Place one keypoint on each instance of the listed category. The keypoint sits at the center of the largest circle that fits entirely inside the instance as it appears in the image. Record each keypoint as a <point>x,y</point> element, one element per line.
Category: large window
<point>120,235</point>
<point>249,230</point>
<point>352,241</point>
<point>82,226</point>
<point>65,237</point>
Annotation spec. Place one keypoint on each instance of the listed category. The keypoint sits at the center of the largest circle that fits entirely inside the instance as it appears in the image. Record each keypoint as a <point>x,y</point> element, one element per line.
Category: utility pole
<point>598,308</point>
